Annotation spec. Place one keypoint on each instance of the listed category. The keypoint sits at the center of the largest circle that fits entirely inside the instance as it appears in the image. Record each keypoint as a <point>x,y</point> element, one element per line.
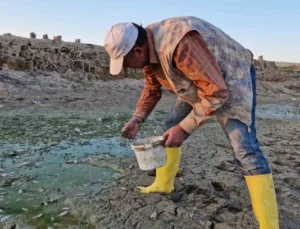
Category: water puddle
<point>37,177</point>
<point>278,111</point>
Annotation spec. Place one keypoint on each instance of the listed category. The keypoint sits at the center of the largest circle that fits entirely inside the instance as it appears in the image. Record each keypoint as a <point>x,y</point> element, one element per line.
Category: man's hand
<point>175,136</point>
<point>131,128</point>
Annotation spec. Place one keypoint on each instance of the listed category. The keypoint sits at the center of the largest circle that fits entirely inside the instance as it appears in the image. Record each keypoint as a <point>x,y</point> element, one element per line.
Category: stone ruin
<point>70,59</point>
<point>75,59</point>
<point>17,53</point>
<point>268,71</point>
<point>32,35</point>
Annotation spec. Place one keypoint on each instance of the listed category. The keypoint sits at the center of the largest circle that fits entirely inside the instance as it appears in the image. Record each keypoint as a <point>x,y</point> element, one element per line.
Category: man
<point>212,75</point>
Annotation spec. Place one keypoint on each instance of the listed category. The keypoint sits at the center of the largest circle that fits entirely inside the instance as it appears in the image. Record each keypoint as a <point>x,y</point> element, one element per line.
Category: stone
<point>32,35</point>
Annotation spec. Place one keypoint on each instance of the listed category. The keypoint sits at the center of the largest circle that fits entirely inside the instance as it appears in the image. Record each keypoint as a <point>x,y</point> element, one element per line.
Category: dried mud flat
<point>210,191</point>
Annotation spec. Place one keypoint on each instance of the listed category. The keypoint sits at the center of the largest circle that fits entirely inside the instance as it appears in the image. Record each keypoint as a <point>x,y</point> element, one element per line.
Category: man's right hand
<point>131,128</point>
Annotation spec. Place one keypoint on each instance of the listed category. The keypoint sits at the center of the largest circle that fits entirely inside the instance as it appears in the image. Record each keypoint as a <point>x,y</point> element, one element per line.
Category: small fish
<point>37,216</point>
<point>80,194</point>
<point>5,218</point>
<point>63,213</point>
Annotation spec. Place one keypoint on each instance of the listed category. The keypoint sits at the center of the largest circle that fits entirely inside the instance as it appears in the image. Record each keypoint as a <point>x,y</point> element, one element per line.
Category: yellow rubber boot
<point>263,198</point>
<point>165,176</point>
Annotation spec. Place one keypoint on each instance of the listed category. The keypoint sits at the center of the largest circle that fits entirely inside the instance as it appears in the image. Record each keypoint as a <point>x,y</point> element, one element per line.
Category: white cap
<point>119,40</point>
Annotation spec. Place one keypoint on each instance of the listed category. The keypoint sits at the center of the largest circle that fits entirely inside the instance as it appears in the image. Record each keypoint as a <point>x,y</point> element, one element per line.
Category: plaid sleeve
<point>150,96</point>
<point>193,58</point>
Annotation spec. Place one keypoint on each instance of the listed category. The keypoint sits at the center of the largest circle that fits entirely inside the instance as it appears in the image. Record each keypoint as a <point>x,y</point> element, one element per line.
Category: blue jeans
<point>246,149</point>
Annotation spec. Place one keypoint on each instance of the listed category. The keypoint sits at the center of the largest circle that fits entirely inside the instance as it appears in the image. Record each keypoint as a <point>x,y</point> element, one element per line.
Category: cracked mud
<point>63,163</point>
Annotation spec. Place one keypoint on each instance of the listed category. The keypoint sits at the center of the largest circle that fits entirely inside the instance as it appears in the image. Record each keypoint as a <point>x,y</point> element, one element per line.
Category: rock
<point>153,216</point>
<point>176,197</point>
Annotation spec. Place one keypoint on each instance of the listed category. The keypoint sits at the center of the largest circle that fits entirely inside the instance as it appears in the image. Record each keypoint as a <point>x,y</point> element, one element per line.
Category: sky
<point>267,27</point>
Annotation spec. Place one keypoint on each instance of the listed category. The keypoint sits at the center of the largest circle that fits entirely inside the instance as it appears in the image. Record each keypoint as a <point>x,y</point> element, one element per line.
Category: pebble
<point>153,216</point>
<point>25,209</point>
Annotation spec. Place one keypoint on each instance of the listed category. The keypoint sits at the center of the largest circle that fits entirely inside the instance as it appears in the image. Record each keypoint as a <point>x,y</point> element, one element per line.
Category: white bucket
<point>150,152</point>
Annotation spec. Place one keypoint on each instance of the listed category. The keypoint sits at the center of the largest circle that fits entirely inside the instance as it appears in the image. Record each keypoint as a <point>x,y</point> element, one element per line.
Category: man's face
<point>139,58</point>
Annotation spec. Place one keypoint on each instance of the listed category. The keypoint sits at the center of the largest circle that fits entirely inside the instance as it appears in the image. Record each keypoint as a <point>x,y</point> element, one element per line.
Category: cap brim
<point>116,66</point>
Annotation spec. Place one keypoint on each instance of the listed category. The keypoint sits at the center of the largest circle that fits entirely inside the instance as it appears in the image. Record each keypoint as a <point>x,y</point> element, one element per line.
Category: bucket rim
<point>146,143</point>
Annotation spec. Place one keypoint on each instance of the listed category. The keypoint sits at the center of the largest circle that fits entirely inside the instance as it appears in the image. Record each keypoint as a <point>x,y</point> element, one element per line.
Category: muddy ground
<point>43,111</point>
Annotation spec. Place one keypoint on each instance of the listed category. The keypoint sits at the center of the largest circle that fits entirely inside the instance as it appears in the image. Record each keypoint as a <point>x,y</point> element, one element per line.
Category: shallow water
<point>42,174</point>
<point>285,111</point>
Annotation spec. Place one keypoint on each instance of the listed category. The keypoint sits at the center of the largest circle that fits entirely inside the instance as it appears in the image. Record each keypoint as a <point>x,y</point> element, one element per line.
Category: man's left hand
<point>175,136</point>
